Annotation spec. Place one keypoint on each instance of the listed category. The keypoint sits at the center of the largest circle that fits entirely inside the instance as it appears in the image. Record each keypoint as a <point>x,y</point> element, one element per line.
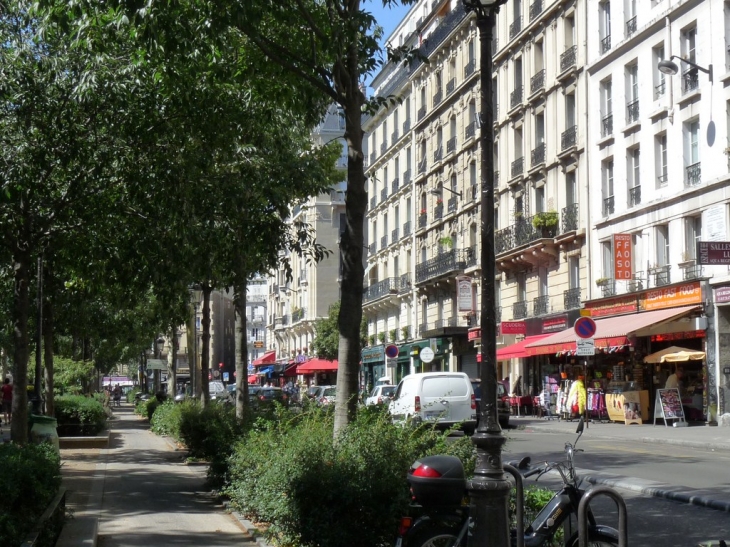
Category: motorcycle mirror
<point>581,423</point>
<point>524,463</point>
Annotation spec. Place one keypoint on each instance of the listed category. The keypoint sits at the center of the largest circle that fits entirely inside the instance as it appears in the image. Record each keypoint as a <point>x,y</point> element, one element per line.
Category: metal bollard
<point>623,532</point>
<point>520,503</point>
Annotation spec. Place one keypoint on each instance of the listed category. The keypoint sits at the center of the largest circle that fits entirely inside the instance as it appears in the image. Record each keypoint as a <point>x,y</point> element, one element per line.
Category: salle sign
<point>711,253</point>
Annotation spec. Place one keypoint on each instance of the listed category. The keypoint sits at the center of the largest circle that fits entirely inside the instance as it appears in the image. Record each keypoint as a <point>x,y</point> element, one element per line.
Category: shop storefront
<point>373,365</point>
<point>442,355</point>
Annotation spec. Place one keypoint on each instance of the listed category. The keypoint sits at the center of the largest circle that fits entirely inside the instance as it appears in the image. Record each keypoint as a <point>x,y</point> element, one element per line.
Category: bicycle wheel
<point>595,539</point>
<point>435,536</point>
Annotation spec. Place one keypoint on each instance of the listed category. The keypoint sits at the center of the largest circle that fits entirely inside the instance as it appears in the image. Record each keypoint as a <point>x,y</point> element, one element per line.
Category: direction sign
<point>391,351</point>
<point>585,347</point>
<point>391,362</point>
<point>584,327</point>
<point>156,364</point>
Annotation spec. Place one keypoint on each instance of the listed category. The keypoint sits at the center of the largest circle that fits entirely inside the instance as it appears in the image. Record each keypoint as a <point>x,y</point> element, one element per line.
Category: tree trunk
<point>351,248</point>
<point>191,336</point>
<point>48,349</point>
<point>242,362</point>
<point>21,303</point>
<point>172,364</point>
<point>205,352</point>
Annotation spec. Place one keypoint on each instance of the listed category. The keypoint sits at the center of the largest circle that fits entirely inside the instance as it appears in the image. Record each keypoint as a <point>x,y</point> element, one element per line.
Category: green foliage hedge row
<point>30,479</point>
<point>79,415</point>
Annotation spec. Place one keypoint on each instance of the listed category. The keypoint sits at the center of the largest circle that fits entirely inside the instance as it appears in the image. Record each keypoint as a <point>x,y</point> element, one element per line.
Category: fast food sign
<point>622,257</point>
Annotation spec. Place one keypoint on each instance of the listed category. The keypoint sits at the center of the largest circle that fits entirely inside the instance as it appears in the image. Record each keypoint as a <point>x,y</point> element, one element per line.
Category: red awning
<point>610,332</point>
<point>317,365</point>
<point>291,369</point>
<point>253,379</point>
<point>517,351</point>
<point>268,358</point>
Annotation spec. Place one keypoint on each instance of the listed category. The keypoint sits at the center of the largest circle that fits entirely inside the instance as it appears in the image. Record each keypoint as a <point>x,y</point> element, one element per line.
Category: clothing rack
<point>596,405</point>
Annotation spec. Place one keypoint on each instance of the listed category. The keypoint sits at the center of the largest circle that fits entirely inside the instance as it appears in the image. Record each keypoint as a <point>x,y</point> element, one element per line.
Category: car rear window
<point>329,392</point>
<point>439,386</point>
<point>388,390</point>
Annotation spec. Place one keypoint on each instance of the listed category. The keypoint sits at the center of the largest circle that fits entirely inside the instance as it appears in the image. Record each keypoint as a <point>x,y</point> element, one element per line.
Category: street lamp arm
<point>707,71</point>
<point>438,192</point>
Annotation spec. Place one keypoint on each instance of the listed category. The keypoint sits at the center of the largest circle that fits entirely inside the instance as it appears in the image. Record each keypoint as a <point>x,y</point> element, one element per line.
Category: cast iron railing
<point>608,206</point>
<point>406,177</point>
<point>444,263</point>
<point>450,86</point>
<point>514,28</point>
<point>517,167</point>
<point>541,305</point>
<point>569,137</point>
<point>394,236</point>
<point>383,194</point>
<point>519,310</point>
<point>570,218</point>
<point>660,89</point>
<point>634,196</point>
<point>693,174</point>
<point>606,44</point>
<point>422,220</point>
<point>660,276</point>
<point>631,26</point>
<point>690,80</point>
<point>407,228</point>
<point>470,68</point>
<point>438,154</point>
<point>571,299</point>
<point>438,96</point>
<point>568,58</point>
<point>537,82</point>
<point>438,211</point>
<point>451,145</point>
<point>404,283</point>
<point>394,186</point>
<point>394,136</point>
<point>607,125</point>
<point>520,233</point>
<point>298,315</point>
<point>390,285</point>
<point>421,113</point>
<point>451,205</point>
<point>537,156</point>
<point>469,131</point>
<point>692,272</point>
<point>632,111</point>
<point>515,98</point>
<point>535,9</point>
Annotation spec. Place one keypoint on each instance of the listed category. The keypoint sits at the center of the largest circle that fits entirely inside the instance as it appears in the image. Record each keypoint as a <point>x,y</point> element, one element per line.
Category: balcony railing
<point>607,126</point>
<point>421,113</point>
<point>690,80</point>
<point>469,131</point>
<point>438,154</point>
<point>514,28</point>
<point>383,194</point>
<point>569,138</point>
<point>521,233</point>
<point>394,136</point>
<point>404,283</point>
<point>406,177</point>
<point>606,44</point>
<point>535,9</point>
<point>541,305</point>
<point>570,218</point>
<point>450,86</point>
<point>373,202</point>
<point>373,157</point>
<point>634,196</point>
<point>537,82</point>
<point>384,147</point>
<point>407,228</point>
<point>693,271</point>
<point>394,236</point>
<point>394,186</point>
<point>517,167</point>
<point>470,68</point>
<point>445,263</point>
<point>515,98</point>
<point>608,287</point>
<point>636,283</point>
<point>422,166</point>
<point>391,285</point>
<point>451,145</point>
<point>571,299</point>
<point>631,26</point>
<point>451,205</point>
<point>608,206</point>
<point>693,174</point>
<point>406,126</point>
<point>568,58</point>
<point>438,211</point>
<point>662,179</point>
<point>383,242</point>
<point>537,156</point>
<point>660,276</point>
<point>632,111</point>
<point>437,97</point>
<point>519,310</point>
<point>422,220</point>
<point>660,89</point>
<point>281,320</point>
<point>298,315</point>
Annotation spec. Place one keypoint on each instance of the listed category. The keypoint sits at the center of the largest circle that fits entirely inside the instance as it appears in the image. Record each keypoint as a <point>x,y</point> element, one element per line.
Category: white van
<point>446,398</point>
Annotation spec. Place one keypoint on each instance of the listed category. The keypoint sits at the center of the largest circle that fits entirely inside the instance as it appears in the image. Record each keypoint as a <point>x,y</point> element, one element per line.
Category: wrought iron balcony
<point>384,147</point>
<point>383,242</point>
<point>537,156</point>
<point>514,28</point>
<point>437,97</point>
<point>635,196</point>
<point>469,131</point>
<point>450,86</point>
<point>422,220</point>
<point>421,113</point>
<point>608,287</point>
<point>451,205</point>
<point>438,211</point>
<point>690,80</point>
<point>404,283</point>
<point>535,9</point>
<point>383,194</point>
<point>422,166</point>
<point>608,206</point>
<point>394,136</point>
<point>605,44</point>
<point>607,126</point>
<point>570,218</point>
<point>281,320</point>
<point>632,111</point>
<point>571,299</point>
<point>537,82</point>
<point>660,89</point>
<point>636,283</point>
<point>519,310</point>
<point>521,233</point>
<point>373,248</point>
<point>691,272</point>
<point>693,174</point>
<point>660,275</point>
<point>451,145</point>
<point>444,263</point>
<point>394,186</point>
<point>407,228</point>
<point>631,26</point>
<point>568,58</point>
<point>662,179</point>
<point>390,285</point>
<point>438,154</point>
<point>298,314</point>
<point>569,138</point>
<point>406,177</point>
<point>515,98</point>
<point>406,126</point>
<point>373,202</point>
<point>373,156</point>
<point>517,167</point>
<point>470,68</point>
<point>541,305</point>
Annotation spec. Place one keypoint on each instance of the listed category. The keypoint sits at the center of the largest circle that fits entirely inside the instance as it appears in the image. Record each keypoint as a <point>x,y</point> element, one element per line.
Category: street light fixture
<point>489,489</point>
<point>667,66</point>
<point>436,192</point>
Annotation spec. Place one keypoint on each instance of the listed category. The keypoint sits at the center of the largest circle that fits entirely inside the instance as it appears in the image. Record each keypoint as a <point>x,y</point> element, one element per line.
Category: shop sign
<point>622,257</point>
<point>614,306</point>
<point>671,297</point>
<point>372,355</point>
<point>474,334</point>
<point>554,324</point>
<point>713,253</point>
<point>585,347</point>
<point>466,295</point>
<point>513,327</point>
<point>722,295</point>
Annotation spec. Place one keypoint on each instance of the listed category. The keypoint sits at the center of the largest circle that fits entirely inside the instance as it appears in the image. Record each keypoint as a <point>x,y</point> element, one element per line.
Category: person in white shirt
<point>674,380</point>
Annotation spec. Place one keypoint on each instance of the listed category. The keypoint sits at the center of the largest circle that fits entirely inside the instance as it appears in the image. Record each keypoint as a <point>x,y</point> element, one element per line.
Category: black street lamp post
<point>489,489</point>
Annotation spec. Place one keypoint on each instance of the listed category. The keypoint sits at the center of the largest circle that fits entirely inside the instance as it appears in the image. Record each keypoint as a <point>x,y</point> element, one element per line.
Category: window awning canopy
<point>516,350</point>
<point>610,332</point>
<point>268,358</point>
<point>317,365</point>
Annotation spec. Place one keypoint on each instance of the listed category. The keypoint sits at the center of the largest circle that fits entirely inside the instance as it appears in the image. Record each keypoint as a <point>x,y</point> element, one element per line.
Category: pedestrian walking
<point>7,400</point>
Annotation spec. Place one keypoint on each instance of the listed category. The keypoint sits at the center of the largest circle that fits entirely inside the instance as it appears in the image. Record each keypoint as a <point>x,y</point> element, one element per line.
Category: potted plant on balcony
<point>423,211</point>
<point>381,337</point>
<point>446,242</point>
<point>371,340</point>
<point>546,222</point>
<point>392,335</point>
<point>602,281</point>
<point>404,333</point>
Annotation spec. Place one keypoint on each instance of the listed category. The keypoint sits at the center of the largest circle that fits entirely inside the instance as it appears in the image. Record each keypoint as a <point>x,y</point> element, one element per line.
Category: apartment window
<point>571,194</point>
<point>607,259</point>
<point>690,76</point>
<point>660,154</point>
<point>633,177</point>
<point>632,93</point>
<point>607,187</point>
<point>606,108</point>
<point>522,286</point>
<point>692,153</point>
<point>630,13</point>
<point>659,77</point>
<point>692,234</point>
<point>604,25</point>
<point>574,272</point>
<point>540,199</point>
<point>662,244</point>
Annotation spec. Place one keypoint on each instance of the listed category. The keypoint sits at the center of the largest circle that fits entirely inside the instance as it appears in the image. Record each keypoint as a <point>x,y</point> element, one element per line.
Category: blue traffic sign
<point>584,327</point>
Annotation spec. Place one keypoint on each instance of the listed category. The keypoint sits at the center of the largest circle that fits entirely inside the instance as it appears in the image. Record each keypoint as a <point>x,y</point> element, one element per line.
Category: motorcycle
<point>439,496</point>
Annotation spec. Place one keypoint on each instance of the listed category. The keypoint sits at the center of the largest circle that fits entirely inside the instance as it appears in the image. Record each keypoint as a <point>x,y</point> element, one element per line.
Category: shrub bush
<point>293,476</point>
<point>79,415</point>
<point>166,420</point>
<point>31,477</point>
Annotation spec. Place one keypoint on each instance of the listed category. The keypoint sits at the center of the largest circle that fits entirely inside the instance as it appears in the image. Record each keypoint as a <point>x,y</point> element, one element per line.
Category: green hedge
<point>79,415</point>
<point>30,479</point>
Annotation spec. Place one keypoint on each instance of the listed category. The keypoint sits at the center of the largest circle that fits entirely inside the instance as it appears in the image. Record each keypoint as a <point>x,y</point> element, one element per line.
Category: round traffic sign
<point>426,355</point>
<point>391,351</point>
<point>584,327</point>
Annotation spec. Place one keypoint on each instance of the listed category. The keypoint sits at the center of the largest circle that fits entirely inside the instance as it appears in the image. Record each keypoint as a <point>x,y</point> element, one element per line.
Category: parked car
<point>217,391</point>
<point>260,396</point>
<point>444,398</point>
<point>503,411</point>
<point>327,396</point>
<point>380,395</point>
<point>312,392</point>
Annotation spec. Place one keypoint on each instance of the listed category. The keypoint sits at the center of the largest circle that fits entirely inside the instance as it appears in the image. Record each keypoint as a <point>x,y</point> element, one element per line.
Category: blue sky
<point>388,18</point>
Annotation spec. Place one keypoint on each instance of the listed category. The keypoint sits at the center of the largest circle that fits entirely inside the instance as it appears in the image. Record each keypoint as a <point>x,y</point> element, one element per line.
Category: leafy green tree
<point>327,338</point>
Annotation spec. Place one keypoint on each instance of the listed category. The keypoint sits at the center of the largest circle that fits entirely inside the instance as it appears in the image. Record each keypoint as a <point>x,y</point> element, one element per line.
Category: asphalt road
<point>653,522</point>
